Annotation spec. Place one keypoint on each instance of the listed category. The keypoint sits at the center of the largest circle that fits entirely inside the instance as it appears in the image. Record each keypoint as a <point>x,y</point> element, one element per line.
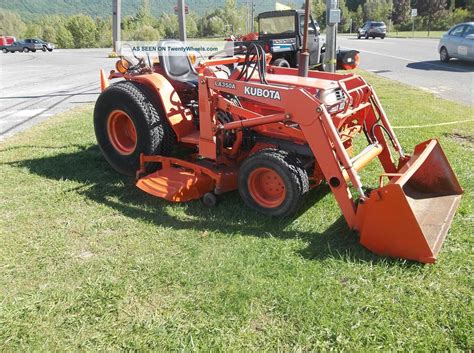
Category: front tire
<point>443,55</point>
<point>128,123</point>
<point>273,182</point>
<point>5,50</point>
<point>26,50</point>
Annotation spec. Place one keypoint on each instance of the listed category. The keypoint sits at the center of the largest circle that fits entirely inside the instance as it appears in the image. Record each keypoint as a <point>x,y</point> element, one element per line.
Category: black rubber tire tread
<point>154,135</point>
<point>281,62</point>
<point>289,167</point>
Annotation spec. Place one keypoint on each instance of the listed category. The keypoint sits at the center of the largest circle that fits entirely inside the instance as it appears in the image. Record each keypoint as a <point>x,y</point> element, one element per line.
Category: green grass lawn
<point>89,262</point>
<point>417,34</point>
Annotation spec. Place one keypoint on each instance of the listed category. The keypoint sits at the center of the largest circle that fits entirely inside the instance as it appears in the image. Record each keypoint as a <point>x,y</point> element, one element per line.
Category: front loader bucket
<point>410,216</point>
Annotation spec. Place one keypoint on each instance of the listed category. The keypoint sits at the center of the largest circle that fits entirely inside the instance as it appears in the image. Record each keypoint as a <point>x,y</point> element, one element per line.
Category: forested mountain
<point>102,8</point>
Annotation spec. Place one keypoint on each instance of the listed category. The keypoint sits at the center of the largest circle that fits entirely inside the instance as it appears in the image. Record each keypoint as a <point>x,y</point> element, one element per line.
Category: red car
<point>7,40</point>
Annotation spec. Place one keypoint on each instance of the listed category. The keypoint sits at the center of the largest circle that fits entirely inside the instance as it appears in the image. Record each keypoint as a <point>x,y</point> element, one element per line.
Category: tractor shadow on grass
<point>103,185</point>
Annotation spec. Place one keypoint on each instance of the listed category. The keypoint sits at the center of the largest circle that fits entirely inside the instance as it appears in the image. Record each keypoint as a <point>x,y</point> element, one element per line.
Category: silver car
<point>458,42</point>
<point>372,29</point>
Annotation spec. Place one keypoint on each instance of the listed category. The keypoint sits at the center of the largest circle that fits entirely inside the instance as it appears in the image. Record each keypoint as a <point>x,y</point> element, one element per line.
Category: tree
<point>358,18</point>
<point>214,26</point>
<point>64,38</point>
<point>103,34</point>
<point>11,24</point>
<point>146,33</point>
<point>32,30</point>
<point>345,17</point>
<point>352,5</point>
<point>319,12</point>
<point>401,11</point>
<point>169,25</point>
<point>233,16</point>
<point>191,26</point>
<point>83,31</point>
<point>49,34</point>
<point>144,15</point>
<point>432,9</point>
<point>377,10</point>
<point>470,7</point>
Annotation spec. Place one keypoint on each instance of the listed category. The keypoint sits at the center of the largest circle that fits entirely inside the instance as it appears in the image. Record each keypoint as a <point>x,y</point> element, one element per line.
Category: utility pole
<point>303,62</point>
<point>182,20</point>
<point>116,21</point>
<point>333,15</point>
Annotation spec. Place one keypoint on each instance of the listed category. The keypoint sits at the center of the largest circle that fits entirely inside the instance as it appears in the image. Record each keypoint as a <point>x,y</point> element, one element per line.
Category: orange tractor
<point>238,123</point>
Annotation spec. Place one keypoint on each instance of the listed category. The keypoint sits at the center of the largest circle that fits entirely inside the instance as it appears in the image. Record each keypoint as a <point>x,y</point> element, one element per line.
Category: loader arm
<point>409,196</point>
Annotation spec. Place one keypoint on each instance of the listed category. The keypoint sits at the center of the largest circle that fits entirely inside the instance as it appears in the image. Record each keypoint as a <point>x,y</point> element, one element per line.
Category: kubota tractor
<point>244,125</point>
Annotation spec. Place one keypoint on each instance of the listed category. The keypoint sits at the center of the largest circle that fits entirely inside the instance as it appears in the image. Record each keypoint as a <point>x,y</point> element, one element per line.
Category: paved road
<point>415,62</point>
<point>37,85</point>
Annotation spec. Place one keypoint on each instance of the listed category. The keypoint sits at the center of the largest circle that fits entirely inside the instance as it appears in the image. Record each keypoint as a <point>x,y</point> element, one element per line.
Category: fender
<point>179,116</point>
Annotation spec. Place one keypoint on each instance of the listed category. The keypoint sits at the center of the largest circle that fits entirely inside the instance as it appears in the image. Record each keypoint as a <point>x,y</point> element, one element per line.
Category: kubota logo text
<point>261,92</point>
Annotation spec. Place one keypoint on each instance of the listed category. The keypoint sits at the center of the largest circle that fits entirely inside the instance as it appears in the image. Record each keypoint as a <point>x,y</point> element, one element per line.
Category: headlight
<point>333,99</point>
<point>122,66</point>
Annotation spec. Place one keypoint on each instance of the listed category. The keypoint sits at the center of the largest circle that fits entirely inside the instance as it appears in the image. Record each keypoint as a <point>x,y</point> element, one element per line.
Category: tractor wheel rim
<point>266,187</point>
<point>122,132</point>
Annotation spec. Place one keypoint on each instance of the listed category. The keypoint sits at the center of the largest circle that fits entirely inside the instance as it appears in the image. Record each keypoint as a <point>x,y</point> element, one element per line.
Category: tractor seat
<point>178,66</point>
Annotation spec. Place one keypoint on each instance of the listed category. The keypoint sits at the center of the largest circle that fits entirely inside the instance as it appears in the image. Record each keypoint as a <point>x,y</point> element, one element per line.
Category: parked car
<point>27,45</point>
<point>6,40</point>
<point>458,43</point>
<point>17,45</point>
<point>372,29</point>
<point>38,44</point>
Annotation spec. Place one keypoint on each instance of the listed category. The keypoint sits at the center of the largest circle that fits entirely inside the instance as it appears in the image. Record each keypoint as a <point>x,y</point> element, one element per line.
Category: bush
<point>146,33</point>
<point>64,38</point>
<point>458,16</point>
<point>83,31</point>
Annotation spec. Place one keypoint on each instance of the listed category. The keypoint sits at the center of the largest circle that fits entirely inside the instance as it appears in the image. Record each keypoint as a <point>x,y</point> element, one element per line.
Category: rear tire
<point>5,50</point>
<point>273,182</point>
<point>43,49</point>
<point>443,55</point>
<point>383,37</point>
<point>359,36</point>
<point>281,62</point>
<point>128,123</point>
